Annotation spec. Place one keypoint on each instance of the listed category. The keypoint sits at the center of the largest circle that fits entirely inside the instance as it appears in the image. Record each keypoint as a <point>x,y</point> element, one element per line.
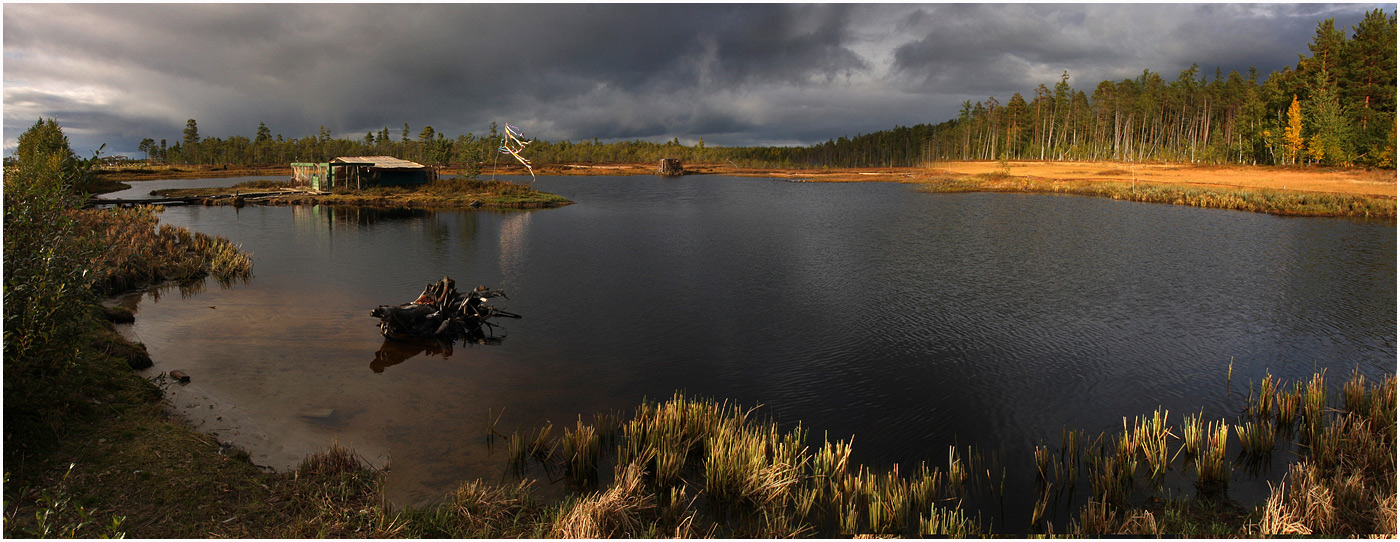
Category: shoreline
<point>1322,192</point>
<point>139,450</point>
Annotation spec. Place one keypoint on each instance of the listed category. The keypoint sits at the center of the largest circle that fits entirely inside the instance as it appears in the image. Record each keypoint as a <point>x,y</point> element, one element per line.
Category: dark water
<point>910,321</point>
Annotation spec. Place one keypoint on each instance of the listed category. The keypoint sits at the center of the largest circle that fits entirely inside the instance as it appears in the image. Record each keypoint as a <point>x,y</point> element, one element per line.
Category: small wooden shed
<point>361,172</point>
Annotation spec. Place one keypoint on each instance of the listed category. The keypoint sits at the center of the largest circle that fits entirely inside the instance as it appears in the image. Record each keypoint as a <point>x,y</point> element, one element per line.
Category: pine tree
<point>191,142</point>
<point>1326,49</point>
<point>1368,84</point>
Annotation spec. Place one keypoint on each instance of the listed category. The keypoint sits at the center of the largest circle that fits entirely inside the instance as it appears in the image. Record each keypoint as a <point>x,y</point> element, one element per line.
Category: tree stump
<point>670,167</point>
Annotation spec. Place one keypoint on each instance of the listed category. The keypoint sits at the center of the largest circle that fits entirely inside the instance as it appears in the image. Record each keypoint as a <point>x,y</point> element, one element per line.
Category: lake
<point>908,321</point>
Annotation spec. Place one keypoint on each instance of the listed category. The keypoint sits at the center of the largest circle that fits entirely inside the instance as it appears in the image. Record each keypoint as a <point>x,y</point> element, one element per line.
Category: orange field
<point>1309,179</point>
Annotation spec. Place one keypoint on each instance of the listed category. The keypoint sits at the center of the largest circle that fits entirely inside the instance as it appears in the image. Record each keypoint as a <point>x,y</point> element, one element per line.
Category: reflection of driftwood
<point>394,352</point>
<point>440,312</point>
<point>670,167</point>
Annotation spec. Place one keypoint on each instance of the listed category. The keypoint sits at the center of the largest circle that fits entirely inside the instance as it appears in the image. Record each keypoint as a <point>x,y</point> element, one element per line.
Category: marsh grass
<point>1256,438</point>
<point>1151,435</point>
<point>1344,483</point>
<point>142,252</point>
<point>1212,470</point>
<point>753,479</point>
<point>580,448</point>
<point>1192,436</point>
<point>768,483</point>
<point>1314,407</point>
<point>1277,202</point>
<point>1261,403</point>
<point>1289,402</point>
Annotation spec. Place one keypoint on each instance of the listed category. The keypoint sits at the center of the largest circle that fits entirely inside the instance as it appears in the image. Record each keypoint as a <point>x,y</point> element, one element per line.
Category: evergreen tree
<point>1368,85</point>
<point>190,149</point>
<point>191,135</point>
<point>1326,50</point>
<point>1329,137</point>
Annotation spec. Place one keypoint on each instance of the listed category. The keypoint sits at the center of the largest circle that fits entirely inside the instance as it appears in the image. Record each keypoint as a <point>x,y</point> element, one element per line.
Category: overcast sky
<point>732,74</point>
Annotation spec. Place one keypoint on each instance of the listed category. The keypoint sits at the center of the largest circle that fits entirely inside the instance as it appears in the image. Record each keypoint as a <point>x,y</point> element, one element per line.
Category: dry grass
<point>1260,200</point>
<point>142,254</point>
<point>615,513</point>
<point>754,480</point>
<point>1306,179</point>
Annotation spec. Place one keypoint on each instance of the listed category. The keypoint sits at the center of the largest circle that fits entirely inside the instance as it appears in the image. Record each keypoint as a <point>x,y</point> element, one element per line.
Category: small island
<point>379,181</point>
<point>442,193</point>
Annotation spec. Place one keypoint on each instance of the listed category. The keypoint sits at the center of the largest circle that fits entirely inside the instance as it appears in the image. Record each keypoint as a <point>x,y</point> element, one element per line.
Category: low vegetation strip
<point>441,193</point>
<point>1260,200</point>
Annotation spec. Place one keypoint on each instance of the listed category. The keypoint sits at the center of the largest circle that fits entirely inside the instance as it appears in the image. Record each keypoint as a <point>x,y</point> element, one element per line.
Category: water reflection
<point>912,322</point>
<point>512,239</point>
<point>336,215</point>
<point>396,351</point>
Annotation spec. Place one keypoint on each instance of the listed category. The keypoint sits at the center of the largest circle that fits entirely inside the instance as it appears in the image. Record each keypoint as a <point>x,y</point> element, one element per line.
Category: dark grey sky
<point>733,74</point>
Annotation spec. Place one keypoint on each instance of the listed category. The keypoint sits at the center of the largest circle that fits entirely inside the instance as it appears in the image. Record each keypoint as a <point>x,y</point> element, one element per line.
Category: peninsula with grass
<point>443,193</point>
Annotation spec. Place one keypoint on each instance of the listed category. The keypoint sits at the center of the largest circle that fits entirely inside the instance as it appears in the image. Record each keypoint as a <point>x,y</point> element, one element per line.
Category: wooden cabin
<point>359,172</point>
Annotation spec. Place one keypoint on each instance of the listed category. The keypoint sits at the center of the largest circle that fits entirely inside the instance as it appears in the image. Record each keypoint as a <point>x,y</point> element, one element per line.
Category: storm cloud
<point>732,74</point>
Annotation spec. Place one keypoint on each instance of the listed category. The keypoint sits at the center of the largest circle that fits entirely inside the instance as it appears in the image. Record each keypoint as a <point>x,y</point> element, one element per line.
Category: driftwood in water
<point>670,167</point>
<point>440,311</point>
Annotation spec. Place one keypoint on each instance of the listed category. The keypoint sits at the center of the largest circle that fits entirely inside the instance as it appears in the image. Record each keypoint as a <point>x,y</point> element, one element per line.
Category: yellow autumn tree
<point>1293,134</point>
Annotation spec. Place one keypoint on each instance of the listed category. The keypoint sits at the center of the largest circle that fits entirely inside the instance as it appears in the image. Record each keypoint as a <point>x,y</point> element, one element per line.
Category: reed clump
<point>141,253</point>
<point>1342,485</point>
<point>754,479</point>
<point>1256,438</point>
<point>1212,471</point>
<point>580,448</point>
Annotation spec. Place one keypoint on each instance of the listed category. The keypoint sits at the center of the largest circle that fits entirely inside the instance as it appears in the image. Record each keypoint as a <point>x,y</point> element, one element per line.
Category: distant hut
<point>361,172</point>
<point>670,167</point>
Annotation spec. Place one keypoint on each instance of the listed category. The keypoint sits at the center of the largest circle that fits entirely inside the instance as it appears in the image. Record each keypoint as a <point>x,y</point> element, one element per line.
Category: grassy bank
<point>453,193</point>
<point>1260,200</point>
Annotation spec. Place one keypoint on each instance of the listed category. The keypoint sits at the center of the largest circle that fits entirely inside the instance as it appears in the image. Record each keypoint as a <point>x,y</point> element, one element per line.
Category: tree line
<point>1336,107</point>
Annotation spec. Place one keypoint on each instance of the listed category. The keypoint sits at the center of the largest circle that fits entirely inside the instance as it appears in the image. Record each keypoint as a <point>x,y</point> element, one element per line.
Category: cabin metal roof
<point>379,162</point>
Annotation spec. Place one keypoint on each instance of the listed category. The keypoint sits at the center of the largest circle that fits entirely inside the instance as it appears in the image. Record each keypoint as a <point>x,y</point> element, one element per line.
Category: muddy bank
<point>269,446</point>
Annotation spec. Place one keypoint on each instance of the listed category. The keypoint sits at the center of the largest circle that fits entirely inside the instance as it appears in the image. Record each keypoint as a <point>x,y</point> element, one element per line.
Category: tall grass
<point>753,478</point>
<point>142,253</point>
